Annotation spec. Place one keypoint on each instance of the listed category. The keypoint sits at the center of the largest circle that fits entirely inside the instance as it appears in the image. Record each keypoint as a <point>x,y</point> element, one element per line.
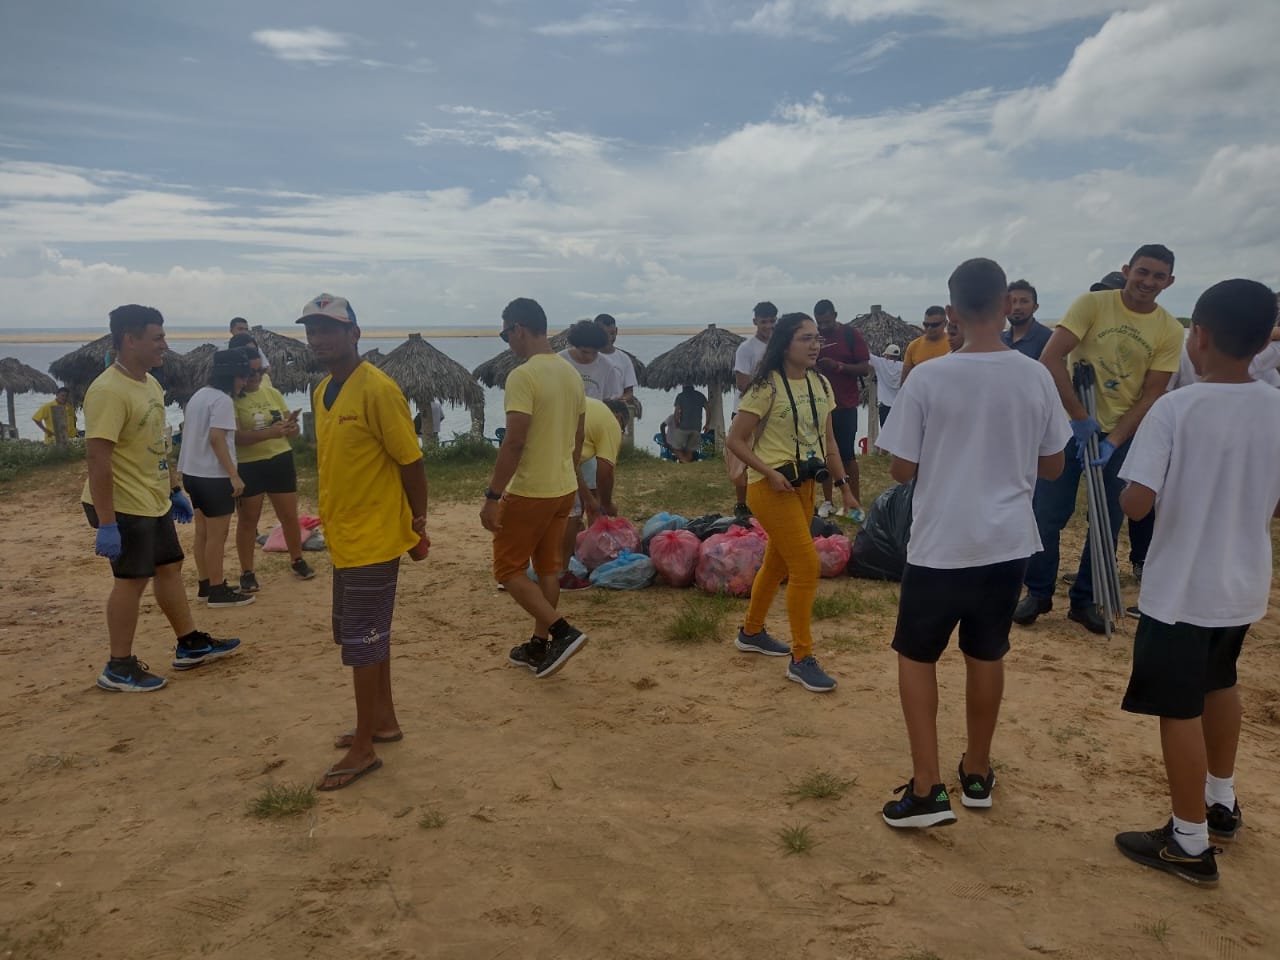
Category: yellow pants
<point>790,553</point>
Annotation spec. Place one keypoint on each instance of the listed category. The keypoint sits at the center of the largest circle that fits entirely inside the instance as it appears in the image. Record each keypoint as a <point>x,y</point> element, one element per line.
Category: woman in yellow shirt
<point>783,434</point>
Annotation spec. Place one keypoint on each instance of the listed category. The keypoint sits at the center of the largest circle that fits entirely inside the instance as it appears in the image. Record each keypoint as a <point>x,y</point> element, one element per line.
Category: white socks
<point>1220,790</point>
<point>1191,837</point>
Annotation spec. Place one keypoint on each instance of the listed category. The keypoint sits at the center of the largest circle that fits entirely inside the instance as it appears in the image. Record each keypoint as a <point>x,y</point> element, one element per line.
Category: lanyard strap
<point>795,417</point>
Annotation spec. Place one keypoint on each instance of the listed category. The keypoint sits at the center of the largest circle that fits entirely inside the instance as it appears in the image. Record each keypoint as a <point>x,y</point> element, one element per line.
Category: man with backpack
<point>843,359</point>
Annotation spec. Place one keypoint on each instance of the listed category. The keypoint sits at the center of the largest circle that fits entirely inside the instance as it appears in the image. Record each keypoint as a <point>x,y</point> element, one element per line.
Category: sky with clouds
<point>665,162</point>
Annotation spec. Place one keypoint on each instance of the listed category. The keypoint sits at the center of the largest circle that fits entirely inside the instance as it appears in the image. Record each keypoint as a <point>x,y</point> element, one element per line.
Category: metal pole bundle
<point>1102,548</point>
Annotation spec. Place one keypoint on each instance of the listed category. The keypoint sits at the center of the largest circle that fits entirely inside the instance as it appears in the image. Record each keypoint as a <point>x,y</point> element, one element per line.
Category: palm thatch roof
<point>81,366</point>
<point>425,374</point>
<point>881,329</point>
<point>17,377</point>
<point>493,372</point>
<point>293,366</point>
<point>194,374</point>
<point>374,356</point>
<point>705,359</point>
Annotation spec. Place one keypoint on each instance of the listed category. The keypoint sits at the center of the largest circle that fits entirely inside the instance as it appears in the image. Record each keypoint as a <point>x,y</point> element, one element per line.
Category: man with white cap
<point>888,370</point>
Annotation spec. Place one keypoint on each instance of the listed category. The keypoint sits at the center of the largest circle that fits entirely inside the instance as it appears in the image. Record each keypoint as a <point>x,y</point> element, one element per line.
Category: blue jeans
<point>1054,502</point>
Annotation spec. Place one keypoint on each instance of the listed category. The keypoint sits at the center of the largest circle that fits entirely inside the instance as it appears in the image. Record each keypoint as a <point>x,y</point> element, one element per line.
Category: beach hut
<point>374,356</point>
<point>17,377</point>
<point>293,366</point>
<point>194,373</point>
<point>880,329</point>
<point>705,360</point>
<point>425,374</point>
<point>81,367</point>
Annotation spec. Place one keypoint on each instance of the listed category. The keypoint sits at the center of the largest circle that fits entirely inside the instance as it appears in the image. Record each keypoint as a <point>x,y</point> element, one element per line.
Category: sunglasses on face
<point>506,334</point>
<point>934,325</point>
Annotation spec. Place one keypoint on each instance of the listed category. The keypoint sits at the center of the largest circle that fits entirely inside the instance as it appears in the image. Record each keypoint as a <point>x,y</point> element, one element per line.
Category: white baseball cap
<point>327,305</point>
<point>893,350</point>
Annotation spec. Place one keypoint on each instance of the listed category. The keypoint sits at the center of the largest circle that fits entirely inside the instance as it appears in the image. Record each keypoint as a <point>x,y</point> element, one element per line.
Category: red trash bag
<point>675,556</point>
<point>275,539</point>
<point>605,539</point>
<point>833,554</point>
<point>728,562</point>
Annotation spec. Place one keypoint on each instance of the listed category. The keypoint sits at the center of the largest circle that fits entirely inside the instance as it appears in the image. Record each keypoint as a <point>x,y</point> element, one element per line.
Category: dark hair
<point>764,309</point>
<point>242,340</point>
<point>62,390</point>
<point>1023,285</point>
<point>1156,251</point>
<point>605,320</point>
<point>978,286</point>
<point>523,312</point>
<point>132,319</point>
<point>588,334</point>
<point>235,320</point>
<point>619,409</point>
<point>775,350</point>
<point>935,310</point>
<point>219,377</point>
<point>823,307</point>
<point>1238,314</point>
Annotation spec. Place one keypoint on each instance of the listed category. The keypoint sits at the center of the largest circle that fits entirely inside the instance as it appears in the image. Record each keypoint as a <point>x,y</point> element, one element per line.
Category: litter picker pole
<point>1106,577</point>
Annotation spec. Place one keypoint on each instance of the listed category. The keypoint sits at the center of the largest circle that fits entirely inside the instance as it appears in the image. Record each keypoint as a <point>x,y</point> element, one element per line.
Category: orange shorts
<point>532,528</point>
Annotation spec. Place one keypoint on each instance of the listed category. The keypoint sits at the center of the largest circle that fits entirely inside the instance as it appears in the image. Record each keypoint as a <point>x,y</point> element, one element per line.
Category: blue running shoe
<point>809,675</point>
<point>128,675</point>
<point>201,648</point>
<point>761,643</point>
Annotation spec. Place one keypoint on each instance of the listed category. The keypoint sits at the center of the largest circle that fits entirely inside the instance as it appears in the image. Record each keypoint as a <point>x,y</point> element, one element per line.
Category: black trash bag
<point>880,548</point>
<point>712,523</point>
<point>822,528</point>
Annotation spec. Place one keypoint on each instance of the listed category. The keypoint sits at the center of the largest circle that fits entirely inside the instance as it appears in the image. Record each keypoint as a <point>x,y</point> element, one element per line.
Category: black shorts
<point>210,495</point>
<point>1175,665</point>
<point>145,543</point>
<point>979,599</point>
<point>276,475</point>
<point>844,424</point>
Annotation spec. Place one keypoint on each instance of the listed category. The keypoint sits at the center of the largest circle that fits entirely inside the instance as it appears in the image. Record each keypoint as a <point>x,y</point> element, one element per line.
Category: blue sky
<point>665,162</point>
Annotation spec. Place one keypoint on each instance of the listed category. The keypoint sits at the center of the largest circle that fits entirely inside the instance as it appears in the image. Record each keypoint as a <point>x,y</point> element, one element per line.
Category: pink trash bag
<point>833,554</point>
<point>275,539</point>
<point>675,556</point>
<point>727,562</point>
<point>605,539</point>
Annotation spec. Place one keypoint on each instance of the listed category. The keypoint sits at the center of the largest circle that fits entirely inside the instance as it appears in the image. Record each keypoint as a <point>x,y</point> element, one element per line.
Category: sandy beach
<point>627,808</point>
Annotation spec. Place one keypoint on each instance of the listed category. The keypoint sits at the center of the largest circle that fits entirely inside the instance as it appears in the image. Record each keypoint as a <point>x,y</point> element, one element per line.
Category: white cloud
<point>525,133</point>
<point>601,23</point>
<point>783,17</point>
<point>18,179</point>
<point>307,45</point>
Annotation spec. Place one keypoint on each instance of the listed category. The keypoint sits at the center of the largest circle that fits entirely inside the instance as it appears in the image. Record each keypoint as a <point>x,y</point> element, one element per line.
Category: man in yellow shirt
<point>1134,347</point>
<point>603,426</point>
<point>932,345</point>
<point>132,499</point>
<point>373,504</point>
<point>531,490</point>
<point>44,416</point>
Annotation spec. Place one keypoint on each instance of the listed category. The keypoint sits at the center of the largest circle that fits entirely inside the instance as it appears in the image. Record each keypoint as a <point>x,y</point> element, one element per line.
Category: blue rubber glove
<point>1105,449</point>
<point>182,511</point>
<point>108,542</point>
<point>1082,430</point>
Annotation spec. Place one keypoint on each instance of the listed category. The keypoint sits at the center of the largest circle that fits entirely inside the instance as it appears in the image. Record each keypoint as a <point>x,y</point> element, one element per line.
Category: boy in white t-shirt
<point>745,361</point>
<point>1209,456</point>
<point>974,429</point>
<point>601,378</point>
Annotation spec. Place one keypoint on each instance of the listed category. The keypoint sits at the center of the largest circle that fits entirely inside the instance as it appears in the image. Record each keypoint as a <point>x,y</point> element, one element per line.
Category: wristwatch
<point>841,482</point>
<point>491,494</point>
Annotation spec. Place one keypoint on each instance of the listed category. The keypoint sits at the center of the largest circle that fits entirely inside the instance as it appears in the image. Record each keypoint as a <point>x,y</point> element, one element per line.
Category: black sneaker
<point>221,595</point>
<point>301,569</point>
<point>1029,608</point>
<point>1160,849</point>
<point>1224,824</point>
<point>128,675</point>
<point>1088,617</point>
<point>933,810</point>
<point>975,790</point>
<point>742,514</point>
<point>529,654</point>
<point>249,582</point>
<point>200,648</point>
<point>202,590</point>
<point>560,649</point>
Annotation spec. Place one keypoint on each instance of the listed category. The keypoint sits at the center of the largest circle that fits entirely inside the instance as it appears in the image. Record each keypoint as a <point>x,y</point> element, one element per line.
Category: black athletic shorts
<point>276,475</point>
<point>979,599</point>
<point>844,424</point>
<point>145,543</point>
<point>1176,664</point>
<point>210,495</point>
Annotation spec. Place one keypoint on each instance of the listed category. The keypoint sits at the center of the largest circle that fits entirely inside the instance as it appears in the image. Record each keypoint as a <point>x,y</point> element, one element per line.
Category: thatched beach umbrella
<point>81,366</point>
<point>374,356</point>
<point>705,360</point>
<point>17,377</point>
<point>195,367</point>
<point>493,372</point>
<point>426,374</point>
<point>881,329</point>
<point>293,367</point>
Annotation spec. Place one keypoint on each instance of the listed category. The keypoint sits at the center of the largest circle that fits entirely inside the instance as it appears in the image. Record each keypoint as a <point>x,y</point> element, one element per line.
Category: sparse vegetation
<point>283,800</point>
<point>1157,930</point>
<point>820,785</point>
<point>19,457</point>
<point>432,820</point>
<point>702,619</point>
<point>796,840</point>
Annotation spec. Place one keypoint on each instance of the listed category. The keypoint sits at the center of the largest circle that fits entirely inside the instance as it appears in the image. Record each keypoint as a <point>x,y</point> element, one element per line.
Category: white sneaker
<point>825,509</point>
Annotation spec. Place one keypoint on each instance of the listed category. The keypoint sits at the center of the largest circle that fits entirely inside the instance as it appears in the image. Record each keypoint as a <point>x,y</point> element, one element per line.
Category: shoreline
<point>213,335</point>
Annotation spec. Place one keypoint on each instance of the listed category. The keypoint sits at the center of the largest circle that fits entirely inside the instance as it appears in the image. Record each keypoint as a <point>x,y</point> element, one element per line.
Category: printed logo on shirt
<point>151,425</point>
<point>347,418</point>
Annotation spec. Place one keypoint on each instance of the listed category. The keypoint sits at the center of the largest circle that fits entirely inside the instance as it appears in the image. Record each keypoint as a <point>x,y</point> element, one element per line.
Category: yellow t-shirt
<point>550,390</point>
<point>775,443</point>
<point>1122,346</point>
<point>45,416</point>
<point>130,413</point>
<point>601,435</point>
<point>362,441</point>
<point>256,410</point>
<point>921,349</point>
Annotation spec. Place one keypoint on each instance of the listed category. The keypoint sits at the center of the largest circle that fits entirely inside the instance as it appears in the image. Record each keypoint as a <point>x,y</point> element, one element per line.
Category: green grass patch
<point>1157,930</point>
<point>702,619</point>
<point>20,458</point>
<point>432,820</point>
<point>820,785</point>
<point>283,800</point>
<point>796,840</point>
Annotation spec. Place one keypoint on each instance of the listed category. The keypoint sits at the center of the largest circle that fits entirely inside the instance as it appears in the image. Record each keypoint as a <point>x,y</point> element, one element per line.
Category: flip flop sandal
<point>350,735</point>
<point>353,774</point>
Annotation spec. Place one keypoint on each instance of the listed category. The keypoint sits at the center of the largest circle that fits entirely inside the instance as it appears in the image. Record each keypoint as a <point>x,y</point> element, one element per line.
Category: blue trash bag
<point>631,571</point>
<point>575,567</point>
<point>662,521</point>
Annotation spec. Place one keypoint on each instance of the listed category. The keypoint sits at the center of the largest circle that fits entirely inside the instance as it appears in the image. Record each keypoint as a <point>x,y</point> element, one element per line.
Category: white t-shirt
<point>977,424</point>
<point>601,378</point>
<point>1262,368</point>
<point>888,379</point>
<point>208,410</point>
<point>1211,452</point>
<point>437,416</point>
<point>626,369</point>
<point>745,360</point>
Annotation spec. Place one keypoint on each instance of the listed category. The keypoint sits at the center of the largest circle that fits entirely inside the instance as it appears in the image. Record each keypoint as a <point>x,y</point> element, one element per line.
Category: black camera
<point>812,468</point>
